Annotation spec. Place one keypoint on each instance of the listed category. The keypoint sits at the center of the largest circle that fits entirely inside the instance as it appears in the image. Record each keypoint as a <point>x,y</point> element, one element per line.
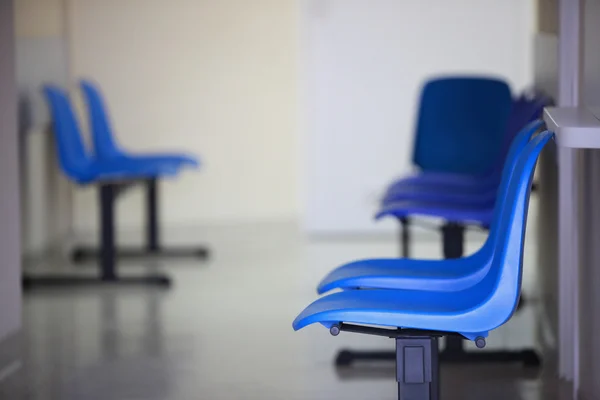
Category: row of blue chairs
<point>112,170</point>
<point>444,190</point>
<point>427,299</point>
<point>460,199</point>
<point>448,185</point>
<point>416,302</point>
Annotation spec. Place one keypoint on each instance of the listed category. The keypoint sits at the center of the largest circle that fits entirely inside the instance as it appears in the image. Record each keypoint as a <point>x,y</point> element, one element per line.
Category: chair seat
<point>437,178</point>
<point>113,165</point>
<point>177,160</point>
<point>403,273</point>
<point>124,169</point>
<point>440,311</point>
<point>452,213</point>
<point>476,195</point>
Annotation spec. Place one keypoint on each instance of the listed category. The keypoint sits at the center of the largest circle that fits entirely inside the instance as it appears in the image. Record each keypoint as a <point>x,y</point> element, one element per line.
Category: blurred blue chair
<point>464,188</point>
<point>111,178</point>
<point>455,114</point>
<point>107,150</point>
<point>460,192</point>
<point>417,318</point>
<point>74,159</point>
<point>106,145</point>
<point>523,109</point>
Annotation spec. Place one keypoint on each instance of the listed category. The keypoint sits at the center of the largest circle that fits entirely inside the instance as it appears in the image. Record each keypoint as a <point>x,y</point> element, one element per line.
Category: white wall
<point>363,65</point>
<point>215,78</point>
<point>220,79</point>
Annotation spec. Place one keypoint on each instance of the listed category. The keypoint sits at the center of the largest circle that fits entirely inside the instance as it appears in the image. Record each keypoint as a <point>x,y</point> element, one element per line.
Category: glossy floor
<point>223,331</point>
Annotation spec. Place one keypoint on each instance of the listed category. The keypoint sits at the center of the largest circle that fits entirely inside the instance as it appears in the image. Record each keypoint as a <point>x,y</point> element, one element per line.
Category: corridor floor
<point>223,331</point>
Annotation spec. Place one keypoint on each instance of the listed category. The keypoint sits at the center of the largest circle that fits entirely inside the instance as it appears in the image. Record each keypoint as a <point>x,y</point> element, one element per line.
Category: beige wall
<point>215,78</point>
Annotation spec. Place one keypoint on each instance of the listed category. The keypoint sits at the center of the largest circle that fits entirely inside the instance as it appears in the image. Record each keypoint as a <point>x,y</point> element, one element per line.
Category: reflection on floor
<point>224,332</point>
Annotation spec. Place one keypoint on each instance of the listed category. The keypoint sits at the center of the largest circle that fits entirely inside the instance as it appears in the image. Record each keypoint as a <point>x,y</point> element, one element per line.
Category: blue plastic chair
<point>416,318</point>
<point>455,274</point>
<point>456,216</point>
<point>112,176</point>
<point>519,116</point>
<point>74,159</point>
<point>105,144</point>
<point>477,211</point>
<point>454,195</point>
<point>435,178</point>
<point>455,114</point>
<point>460,188</point>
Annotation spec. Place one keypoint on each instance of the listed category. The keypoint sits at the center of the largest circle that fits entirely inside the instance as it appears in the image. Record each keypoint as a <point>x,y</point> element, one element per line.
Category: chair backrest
<point>461,124</point>
<point>518,144</point>
<point>497,295</point>
<point>73,157</point>
<point>105,144</point>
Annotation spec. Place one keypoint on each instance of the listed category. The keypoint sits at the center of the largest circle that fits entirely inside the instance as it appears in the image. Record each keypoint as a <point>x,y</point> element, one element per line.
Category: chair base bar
<point>454,351</point>
<point>61,281</point>
<point>527,357</point>
<point>107,253</point>
<point>83,254</point>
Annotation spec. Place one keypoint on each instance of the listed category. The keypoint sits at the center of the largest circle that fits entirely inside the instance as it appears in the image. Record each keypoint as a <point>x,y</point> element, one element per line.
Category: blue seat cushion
<point>443,311</point>
<point>405,273</point>
<point>452,213</point>
<point>467,195</point>
<point>177,160</point>
<point>123,169</point>
<point>427,178</point>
